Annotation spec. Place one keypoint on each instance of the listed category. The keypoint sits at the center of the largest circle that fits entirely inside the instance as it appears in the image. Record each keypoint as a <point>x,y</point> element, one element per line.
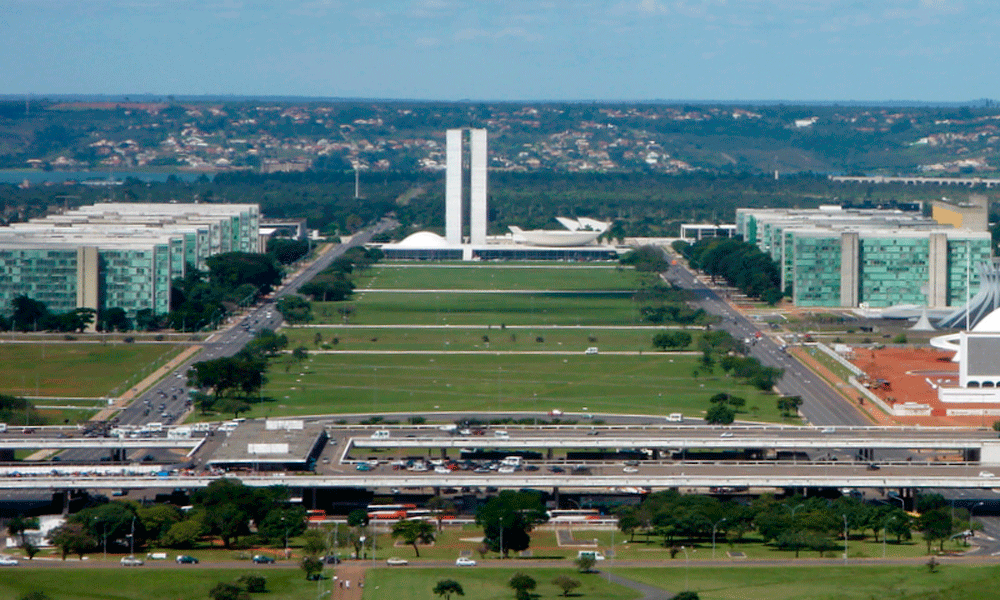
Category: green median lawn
<point>499,276</point>
<point>907,582</point>
<point>75,370</point>
<point>407,583</point>
<point>655,384</point>
<point>483,339</point>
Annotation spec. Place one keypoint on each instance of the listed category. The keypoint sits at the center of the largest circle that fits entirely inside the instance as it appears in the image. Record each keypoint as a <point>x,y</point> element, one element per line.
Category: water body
<point>38,177</point>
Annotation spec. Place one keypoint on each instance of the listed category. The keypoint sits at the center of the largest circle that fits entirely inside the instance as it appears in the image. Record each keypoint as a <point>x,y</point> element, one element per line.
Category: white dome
<point>423,239</point>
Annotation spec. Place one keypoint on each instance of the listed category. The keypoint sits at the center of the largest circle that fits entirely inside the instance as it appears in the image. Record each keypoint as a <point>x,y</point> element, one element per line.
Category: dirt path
<point>349,582</point>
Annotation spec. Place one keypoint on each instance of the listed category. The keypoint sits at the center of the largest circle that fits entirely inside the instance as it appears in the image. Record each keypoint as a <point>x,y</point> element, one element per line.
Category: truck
<point>675,417</point>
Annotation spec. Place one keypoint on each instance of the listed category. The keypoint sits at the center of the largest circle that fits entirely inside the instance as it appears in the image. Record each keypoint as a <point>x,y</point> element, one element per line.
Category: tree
<point>72,538</point>
<point>789,405</point>
<point>230,270</point>
<point>183,534</point>
<point>585,563</point>
<point>522,584</point>
<point>414,532</point>
<point>228,507</point>
<point>158,519</point>
<point>27,313</point>
<point>720,414</point>
<point>935,525</point>
<point>255,584</point>
<point>566,583</point>
<point>686,595</point>
<point>115,319</point>
<point>312,566</point>
<point>300,354</point>
<point>508,518</point>
<point>228,591</point>
<point>282,523</point>
<point>671,340</point>
<point>19,524</point>
<point>295,309</point>
<point>447,587</point>
<point>36,595</point>
<point>628,520</point>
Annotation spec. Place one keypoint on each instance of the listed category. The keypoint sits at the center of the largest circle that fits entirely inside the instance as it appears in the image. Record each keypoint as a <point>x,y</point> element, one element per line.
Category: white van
<point>512,461</point>
<point>591,350</point>
<point>675,417</point>
<point>594,554</point>
<point>501,435</point>
<point>381,434</point>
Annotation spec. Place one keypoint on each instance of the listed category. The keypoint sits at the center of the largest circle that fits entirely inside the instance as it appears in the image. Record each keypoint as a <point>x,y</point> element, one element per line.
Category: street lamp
<point>714,527</point>
<point>971,511</point>
<point>687,567</point>
<point>104,525</point>
<point>885,532</point>
<point>286,536</point>
<point>845,539</point>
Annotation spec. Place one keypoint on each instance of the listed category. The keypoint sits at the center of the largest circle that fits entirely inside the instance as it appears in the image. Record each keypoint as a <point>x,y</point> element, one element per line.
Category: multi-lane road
<point>821,404</point>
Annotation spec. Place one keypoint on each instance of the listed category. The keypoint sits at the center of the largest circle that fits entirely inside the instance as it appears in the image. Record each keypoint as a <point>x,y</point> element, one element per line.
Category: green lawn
<point>68,369</point>
<point>652,383</point>
<point>909,582</point>
<point>144,583</point>
<point>497,340</point>
<point>449,308</point>
<point>500,277</point>
<point>405,583</point>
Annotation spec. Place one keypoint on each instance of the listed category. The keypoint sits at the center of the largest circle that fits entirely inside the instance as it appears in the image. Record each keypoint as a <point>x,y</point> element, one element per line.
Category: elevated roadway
<point>705,475</point>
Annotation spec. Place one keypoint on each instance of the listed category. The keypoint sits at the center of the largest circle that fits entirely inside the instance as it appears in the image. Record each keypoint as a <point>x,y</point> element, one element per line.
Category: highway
<point>821,405</point>
<point>167,400</point>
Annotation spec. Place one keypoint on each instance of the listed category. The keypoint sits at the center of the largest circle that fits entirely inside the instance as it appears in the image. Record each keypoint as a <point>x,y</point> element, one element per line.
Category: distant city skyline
<point>506,50</point>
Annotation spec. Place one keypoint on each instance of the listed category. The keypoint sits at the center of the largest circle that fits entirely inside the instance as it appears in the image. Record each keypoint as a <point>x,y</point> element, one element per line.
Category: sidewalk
<point>348,574</point>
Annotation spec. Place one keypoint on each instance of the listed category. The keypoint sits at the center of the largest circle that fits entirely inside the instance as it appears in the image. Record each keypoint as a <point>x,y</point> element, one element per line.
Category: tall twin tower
<point>454,183</point>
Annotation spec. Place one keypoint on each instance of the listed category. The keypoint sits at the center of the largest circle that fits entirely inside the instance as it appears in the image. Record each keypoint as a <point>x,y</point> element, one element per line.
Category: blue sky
<point>927,50</point>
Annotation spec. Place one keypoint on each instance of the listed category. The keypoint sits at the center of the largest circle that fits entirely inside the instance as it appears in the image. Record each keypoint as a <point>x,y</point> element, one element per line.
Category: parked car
<point>261,559</point>
<point>464,561</point>
<point>331,559</point>
<point>8,561</point>
<point>186,559</point>
<point>131,561</point>
<point>397,562</point>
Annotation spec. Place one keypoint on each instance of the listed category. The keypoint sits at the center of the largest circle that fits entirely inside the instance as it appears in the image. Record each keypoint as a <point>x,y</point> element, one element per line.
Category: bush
<point>254,584</point>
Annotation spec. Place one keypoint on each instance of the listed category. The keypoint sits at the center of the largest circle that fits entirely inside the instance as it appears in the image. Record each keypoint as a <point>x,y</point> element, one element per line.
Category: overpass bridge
<point>957,181</point>
<point>754,475</point>
<point>977,446</point>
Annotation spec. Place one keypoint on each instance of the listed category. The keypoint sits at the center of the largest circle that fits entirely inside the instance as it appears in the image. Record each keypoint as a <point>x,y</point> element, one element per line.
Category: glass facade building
<point>834,257</point>
<point>118,254</point>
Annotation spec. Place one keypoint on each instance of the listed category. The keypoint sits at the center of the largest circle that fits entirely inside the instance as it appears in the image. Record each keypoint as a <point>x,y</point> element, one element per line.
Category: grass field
<point>496,309</point>
<point>500,277</point>
<point>485,584</point>
<point>499,340</point>
<point>951,582</point>
<point>144,583</point>
<point>75,370</point>
<point>652,383</point>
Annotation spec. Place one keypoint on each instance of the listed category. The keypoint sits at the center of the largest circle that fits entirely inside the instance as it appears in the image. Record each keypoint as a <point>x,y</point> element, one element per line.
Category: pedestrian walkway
<point>648,592</point>
<point>349,582</point>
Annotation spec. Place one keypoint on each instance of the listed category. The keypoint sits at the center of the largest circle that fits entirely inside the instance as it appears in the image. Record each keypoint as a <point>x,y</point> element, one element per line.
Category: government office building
<point>120,255</point>
<point>837,257</point>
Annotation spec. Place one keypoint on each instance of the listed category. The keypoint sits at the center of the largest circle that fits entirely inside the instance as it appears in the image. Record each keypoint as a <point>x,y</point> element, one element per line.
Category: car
<point>131,561</point>
<point>395,561</point>
<point>186,559</point>
<point>986,474</point>
<point>557,470</point>
<point>530,468</point>
<point>873,467</point>
<point>630,470</point>
<point>464,561</point>
<point>727,434</point>
<point>8,561</point>
<point>363,467</point>
<point>261,559</point>
<point>330,559</point>
<point>829,430</point>
<point>442,470</point>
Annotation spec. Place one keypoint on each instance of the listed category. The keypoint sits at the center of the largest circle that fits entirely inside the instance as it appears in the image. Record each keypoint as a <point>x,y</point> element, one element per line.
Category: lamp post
<point>902,502</point>
<point>104,539</point>
<point>687,567</point>
<point>885,532</point>
<point>971,511</point>
<point>845,539</point>
<point>131,539</point>
<point>714,527</point>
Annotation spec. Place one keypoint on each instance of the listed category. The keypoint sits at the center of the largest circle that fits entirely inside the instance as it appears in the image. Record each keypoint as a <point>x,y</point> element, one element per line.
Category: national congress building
<point>118,254</point>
